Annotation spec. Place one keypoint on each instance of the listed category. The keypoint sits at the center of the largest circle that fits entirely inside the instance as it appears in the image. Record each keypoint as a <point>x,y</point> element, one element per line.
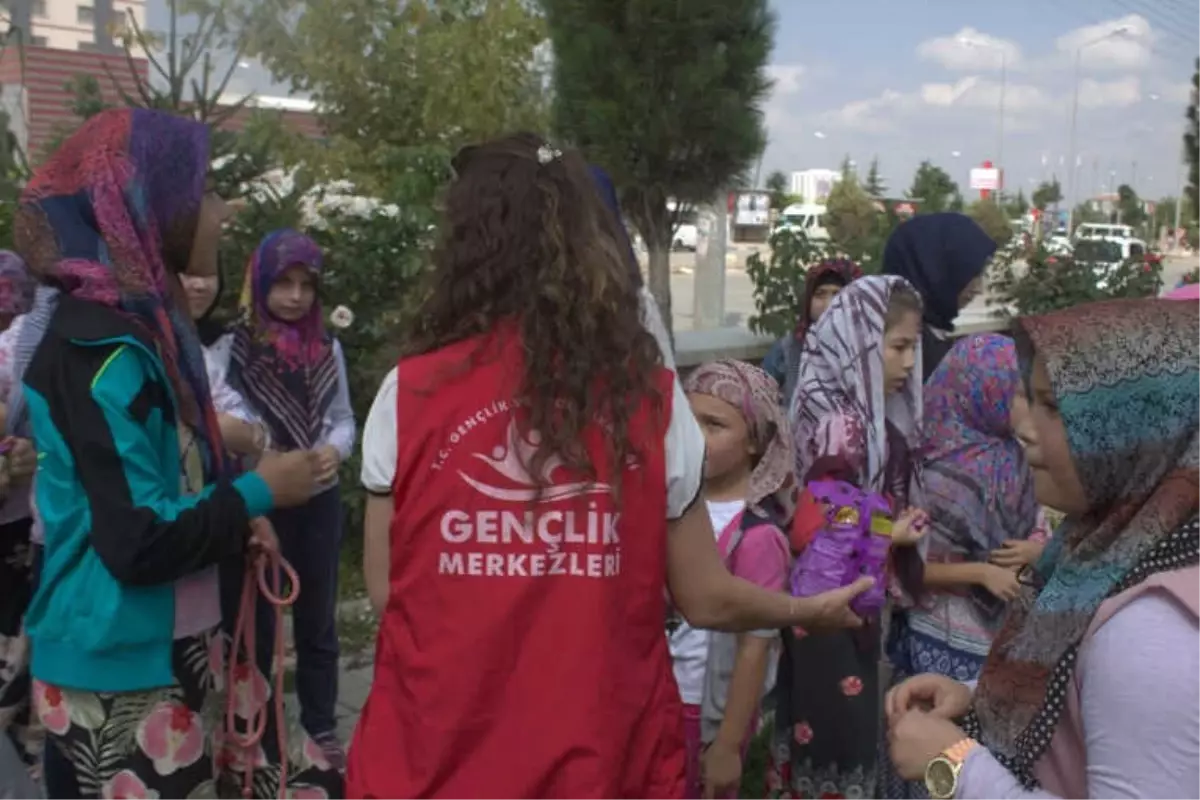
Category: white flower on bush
<point>341,318</point>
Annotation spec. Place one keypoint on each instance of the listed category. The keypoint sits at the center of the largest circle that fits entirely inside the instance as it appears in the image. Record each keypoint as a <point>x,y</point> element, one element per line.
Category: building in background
<point>814,185</point>
<point>90,26</point>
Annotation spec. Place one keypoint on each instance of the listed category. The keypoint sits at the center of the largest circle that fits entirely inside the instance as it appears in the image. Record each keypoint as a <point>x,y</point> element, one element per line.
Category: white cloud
<point>975,93</point>
<point>1125,43</point>
<point>1113,94</point>
<point>1178,93</point>
<point>970,50</point>
<point>873,115</point>
<point>788,78</point>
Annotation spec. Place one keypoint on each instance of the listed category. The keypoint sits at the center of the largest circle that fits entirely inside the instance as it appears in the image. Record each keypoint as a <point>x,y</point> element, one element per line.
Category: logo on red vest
<point>528,526</point>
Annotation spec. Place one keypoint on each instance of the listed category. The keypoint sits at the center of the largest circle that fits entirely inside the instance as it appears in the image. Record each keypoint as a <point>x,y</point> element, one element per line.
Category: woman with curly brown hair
<point>534,473</point>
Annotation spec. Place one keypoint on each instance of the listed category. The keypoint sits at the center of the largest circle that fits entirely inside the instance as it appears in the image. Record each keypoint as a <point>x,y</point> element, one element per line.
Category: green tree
<point>1130,208</point>
<point>1016,207</point>
<point>851,218</point>
<point>398,81</point>
<point>1191,146</point>
<point>1048,193</point>
<point>874,185</point>
<point>777,185</point>
<point>676,111</point>
<point>933,188</point>
<point>992,219</point>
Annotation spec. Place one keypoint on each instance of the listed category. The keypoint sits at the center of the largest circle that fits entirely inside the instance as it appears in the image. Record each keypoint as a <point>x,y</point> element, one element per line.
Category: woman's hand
<point>830,610</point>
<point>328,461</point>
<point>1000,581</point>
<point>931,693</point>
<point>909,527</point>
<point>1016,553</point>
<point>720,769</point>
<point>917,738</point>
<point>22,459</point>
<point>262,536</point>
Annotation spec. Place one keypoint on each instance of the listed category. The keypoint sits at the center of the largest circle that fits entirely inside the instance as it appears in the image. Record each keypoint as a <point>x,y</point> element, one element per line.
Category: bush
<point>1045,282</point>
<point>779,282</point>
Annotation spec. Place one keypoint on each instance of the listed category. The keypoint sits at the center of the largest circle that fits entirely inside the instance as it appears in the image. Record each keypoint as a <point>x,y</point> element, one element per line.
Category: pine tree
<point>874,184</point>
<point>1191,146</point>
<point>666,96</point>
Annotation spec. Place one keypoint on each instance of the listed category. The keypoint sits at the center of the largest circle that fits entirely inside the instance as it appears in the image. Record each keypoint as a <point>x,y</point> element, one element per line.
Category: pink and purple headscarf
<point>978,487</point>
<point>287,370</point>
<point>111,218</point>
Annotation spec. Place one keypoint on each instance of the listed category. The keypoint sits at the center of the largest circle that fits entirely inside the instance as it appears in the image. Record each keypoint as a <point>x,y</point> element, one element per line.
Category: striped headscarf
<point>111,218</point>
<point>772,491</point>
<point>1126,377</point>
<point>287,370</point>
<point>841,379</point>
<point>978,487</point>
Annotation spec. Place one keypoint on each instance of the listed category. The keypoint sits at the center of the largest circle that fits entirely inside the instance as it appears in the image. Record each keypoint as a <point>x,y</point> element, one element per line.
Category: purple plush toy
<point>854,542</point>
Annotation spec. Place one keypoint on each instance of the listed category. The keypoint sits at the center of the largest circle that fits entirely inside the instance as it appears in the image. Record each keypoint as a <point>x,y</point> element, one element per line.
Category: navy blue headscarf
<point>939,254</point>
<point>608,192</point>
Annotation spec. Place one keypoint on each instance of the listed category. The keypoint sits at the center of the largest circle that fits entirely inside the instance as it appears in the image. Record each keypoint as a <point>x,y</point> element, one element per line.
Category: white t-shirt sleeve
<point>652,321</point>
<point>379,439</point>
<point>684,447</point>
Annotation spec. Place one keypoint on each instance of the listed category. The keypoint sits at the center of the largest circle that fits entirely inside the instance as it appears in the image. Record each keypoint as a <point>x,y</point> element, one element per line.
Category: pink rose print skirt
<point>171,742</point>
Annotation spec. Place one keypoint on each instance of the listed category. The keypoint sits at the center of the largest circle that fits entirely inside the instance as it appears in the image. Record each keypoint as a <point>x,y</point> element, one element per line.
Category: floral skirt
<point>171,742</point>
<point>914,653</point>
<point>827,715</point>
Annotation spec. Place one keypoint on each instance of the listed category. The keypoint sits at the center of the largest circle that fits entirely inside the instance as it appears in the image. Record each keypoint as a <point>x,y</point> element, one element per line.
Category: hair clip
<point>546,154</point>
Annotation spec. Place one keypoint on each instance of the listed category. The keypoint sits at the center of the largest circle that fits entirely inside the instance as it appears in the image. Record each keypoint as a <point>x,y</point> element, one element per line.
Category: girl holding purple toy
<point>856,416</point>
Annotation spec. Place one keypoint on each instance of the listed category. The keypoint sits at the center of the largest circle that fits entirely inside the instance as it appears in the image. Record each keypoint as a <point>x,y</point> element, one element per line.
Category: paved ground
<point>739,304</point>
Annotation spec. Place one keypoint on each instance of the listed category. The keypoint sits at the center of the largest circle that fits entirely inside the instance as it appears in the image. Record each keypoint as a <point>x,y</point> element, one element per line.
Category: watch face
<point>939,778</point>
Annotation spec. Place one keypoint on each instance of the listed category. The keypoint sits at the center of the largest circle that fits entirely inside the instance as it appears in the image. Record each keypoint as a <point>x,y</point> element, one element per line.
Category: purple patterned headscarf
<point>17,285</point>
<point>287,370</point>
<point>978,487</point>
<point>111,218</point>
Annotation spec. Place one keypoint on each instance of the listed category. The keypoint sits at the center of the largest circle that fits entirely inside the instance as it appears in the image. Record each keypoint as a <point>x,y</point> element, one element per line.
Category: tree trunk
<point>659,250</point>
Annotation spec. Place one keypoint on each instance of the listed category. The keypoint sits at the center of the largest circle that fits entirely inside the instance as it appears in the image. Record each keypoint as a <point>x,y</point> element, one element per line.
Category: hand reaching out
<point>909,527</point>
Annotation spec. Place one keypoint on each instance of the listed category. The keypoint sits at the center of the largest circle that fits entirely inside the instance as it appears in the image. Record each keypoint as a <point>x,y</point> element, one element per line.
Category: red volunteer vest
<point>522,652</point>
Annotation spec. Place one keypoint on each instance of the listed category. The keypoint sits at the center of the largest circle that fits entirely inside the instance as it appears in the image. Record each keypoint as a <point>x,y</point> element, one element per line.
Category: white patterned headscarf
<point>841,386</point>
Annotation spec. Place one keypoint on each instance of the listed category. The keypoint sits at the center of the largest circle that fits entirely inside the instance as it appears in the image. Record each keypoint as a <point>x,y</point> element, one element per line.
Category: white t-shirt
<point>689,646</point>
<point>683,445</point>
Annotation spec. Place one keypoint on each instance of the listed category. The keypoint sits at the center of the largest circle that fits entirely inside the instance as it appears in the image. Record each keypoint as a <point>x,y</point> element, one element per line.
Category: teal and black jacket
<point>119,531</point>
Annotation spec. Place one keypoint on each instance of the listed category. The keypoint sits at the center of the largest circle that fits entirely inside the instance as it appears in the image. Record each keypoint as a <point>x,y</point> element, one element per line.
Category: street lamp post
<point>1121,31</point>
<point>969,42</point>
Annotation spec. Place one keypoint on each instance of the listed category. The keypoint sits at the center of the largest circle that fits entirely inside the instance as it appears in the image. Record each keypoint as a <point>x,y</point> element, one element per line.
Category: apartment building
<point>85,25</point>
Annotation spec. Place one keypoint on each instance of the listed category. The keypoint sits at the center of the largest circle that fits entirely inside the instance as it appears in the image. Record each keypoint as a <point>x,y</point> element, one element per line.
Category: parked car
<point>1105,255</point>
<point>686,237</point>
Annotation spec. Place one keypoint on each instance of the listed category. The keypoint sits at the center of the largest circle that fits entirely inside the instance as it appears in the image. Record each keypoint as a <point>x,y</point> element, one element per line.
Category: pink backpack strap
<point>731,537</point>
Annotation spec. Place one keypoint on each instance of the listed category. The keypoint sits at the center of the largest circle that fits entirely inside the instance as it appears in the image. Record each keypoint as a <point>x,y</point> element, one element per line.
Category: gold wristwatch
<point>941,774</point>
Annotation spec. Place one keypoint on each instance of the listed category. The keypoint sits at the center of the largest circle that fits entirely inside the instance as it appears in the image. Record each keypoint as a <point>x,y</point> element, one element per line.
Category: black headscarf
<point>939,254</point>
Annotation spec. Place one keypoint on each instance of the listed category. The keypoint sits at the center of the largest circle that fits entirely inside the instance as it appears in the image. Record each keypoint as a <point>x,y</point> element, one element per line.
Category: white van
<point>1100,230</point>
<point>806,218</point>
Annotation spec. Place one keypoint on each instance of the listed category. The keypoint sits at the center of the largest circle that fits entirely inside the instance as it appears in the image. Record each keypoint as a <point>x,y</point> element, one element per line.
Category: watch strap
<point>957,752</point>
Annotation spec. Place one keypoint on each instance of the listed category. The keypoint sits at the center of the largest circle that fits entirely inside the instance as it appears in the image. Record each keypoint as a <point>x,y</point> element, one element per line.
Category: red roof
<point>47,72</point>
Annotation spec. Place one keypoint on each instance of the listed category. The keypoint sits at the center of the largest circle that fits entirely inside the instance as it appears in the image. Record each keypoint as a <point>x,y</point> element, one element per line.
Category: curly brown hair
<point>530,240</point>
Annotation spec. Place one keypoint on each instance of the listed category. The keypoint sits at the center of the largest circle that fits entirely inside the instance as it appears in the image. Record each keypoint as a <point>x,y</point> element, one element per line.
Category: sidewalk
<point>354,682</point>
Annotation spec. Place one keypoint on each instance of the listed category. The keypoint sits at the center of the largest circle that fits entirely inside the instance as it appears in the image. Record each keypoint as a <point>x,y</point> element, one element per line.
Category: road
<point>739,291</point>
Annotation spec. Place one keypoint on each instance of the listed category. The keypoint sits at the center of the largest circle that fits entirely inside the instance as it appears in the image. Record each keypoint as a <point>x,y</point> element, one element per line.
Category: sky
<point>905,82</point>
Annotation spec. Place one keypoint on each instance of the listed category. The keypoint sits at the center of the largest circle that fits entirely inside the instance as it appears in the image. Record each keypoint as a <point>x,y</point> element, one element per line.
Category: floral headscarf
<point>841,389</point>
<point>287,370</point>
<point>1126,376</point>
<point>756,393</point>
<point>978,487</point>
<point>111,218</point>
<point>17,285</point>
